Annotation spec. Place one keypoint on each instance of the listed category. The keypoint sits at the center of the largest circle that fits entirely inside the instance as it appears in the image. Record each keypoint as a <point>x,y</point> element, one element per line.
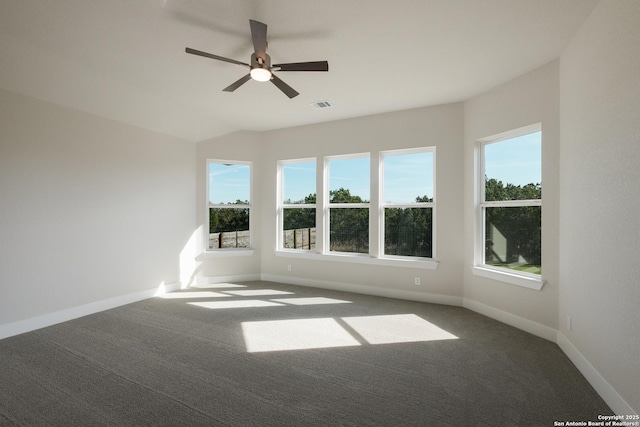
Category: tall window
<point>510,208</point>
<point>229,204</point>
<point>348,196</point>
<point>298,204</point>
<point>407,203</point>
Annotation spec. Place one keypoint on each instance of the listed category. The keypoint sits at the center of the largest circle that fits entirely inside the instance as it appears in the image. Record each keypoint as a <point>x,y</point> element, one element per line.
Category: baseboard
<point>27,325</point>
<point>510,319</point>
<point>597,381</point>
<point>364,289</point>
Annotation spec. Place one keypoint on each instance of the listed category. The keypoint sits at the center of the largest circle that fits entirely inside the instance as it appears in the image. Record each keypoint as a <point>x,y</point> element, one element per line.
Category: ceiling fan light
<point>260,74</point>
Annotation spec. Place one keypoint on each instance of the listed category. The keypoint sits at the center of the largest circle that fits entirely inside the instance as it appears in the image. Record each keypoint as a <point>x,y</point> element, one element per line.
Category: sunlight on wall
<point>162,290</point>
<point>187,264</point>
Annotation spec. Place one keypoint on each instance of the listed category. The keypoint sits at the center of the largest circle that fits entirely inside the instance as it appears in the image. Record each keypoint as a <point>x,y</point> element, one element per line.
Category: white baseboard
<point>510,319</point>
<point>597,381</point>
<point>49,319</point>
<point>367,290</point>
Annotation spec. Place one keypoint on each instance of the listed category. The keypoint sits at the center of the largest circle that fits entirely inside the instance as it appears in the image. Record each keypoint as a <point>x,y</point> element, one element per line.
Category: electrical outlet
<point>288,267</point>
<point>416,281</point>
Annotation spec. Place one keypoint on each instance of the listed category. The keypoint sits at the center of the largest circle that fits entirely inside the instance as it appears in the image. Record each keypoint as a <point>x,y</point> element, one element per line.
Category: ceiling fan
<point>260,68</point>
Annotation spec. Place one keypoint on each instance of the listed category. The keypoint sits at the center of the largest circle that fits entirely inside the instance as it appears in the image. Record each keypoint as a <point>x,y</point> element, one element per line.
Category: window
<point>348,203</point>
<point>510,202</point>
<point>371,208</point>
<point>407,203</point>
<point>229,204</point>
<point>297,202</point>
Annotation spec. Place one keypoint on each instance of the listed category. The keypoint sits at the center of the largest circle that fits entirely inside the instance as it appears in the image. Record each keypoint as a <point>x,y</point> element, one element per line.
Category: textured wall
<point>600,189</point>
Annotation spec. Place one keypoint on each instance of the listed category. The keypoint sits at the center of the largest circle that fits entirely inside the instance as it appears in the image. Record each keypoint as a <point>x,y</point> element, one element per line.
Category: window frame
<point>382,204</point>
<point>281,206</point>
<point>208,205</point>
<point>480,268</point>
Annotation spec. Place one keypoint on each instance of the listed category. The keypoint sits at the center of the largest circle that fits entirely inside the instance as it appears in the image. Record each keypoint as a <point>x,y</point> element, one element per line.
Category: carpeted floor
<point>268,354</point>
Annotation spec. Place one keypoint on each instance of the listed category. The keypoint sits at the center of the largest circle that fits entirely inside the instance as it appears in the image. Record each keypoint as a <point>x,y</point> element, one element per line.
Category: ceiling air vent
<point>322,104</point>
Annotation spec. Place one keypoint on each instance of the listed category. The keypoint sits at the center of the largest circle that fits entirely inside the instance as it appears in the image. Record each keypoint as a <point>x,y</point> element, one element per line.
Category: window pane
<point>512,238</point>
<point>408,232</point>
<point>229,228</point>
<point>229,183</point>
<point>299,182</point>
<point>349,180</point>
<point>408,178</point>
<point>349,230</point>
<point>299,229</point>
<point>513,168</point>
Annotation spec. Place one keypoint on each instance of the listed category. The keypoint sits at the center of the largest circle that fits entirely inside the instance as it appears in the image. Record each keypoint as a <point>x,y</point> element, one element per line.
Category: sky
<point>229,182</point>
<point>406,176</point>
<point>516,161</point>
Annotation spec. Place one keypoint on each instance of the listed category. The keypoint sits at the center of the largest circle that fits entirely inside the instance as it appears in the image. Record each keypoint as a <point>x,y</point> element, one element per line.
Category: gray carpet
<point>267,354</point>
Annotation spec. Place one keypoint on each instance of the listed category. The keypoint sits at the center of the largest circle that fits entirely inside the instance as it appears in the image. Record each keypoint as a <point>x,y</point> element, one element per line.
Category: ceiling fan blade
<point>304,66</point>
<point>288,90</point>
<point>235,85</point>
<point>259,36</point>
<point>212,56</point>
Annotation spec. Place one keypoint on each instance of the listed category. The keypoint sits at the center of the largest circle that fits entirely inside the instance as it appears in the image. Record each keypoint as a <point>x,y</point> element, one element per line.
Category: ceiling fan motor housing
<point>261,62</point>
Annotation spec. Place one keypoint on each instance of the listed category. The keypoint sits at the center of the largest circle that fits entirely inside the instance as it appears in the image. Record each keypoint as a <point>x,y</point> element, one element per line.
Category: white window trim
<point>208,252</point>
<point>281,206</point>
<point>514,277</point>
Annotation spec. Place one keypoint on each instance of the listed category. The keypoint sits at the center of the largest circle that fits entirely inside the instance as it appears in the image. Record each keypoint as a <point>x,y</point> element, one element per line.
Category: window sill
<point>526,281</point>
<point>425,263</point>
<point>226,253</point>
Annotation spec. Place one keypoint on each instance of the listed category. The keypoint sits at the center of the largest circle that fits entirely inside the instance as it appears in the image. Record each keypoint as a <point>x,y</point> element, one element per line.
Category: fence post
<point>220,240</point>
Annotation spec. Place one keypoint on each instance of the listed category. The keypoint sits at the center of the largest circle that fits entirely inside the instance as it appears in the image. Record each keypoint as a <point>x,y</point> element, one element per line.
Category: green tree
<point>519,226</point>
<point>229,219</point>
<point>409,231</point>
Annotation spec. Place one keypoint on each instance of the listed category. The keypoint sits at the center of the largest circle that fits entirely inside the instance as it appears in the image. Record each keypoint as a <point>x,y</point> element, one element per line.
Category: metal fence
<point>230,239</point>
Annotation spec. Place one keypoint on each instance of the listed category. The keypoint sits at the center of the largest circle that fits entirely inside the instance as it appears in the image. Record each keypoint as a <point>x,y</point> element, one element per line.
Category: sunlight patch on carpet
<point>258,292</point>
<point>295,334</point>
<point>187,295</point>
<point>396,328</point>
<point>249,303</point>
<point>218,286</point>
<point>311,301</point>
<point>302,334</point>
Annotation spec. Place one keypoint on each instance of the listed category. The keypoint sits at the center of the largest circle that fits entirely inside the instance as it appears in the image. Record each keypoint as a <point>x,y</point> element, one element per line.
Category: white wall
<point>90,208</point>
<point>600,189</point>
<point>440,127</point>
<point>531,98</point>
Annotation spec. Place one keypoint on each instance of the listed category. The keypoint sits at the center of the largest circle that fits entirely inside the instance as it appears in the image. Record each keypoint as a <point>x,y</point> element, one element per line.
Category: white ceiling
<point>125,59</point>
